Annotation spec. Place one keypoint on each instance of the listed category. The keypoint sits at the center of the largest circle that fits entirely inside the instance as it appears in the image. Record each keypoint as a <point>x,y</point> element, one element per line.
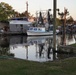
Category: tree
<point>70,20</point>
<point>58,22</point>
<point>6,11</point>
<point>16,14</point>
<point>24,14</point>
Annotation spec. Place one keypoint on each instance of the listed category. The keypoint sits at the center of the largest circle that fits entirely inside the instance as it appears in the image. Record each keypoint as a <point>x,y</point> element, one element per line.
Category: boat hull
<point>30,33</point>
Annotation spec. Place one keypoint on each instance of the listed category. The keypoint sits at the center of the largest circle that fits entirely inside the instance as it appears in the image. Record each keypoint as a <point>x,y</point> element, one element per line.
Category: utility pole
<point>54,23</point>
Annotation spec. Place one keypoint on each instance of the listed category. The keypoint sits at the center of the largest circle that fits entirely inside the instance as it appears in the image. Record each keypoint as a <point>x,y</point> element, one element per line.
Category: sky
<point>36,5</point>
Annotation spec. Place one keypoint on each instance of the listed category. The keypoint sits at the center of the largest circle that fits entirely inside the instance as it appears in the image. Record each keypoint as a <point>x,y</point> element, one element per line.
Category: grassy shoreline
<point>23,67</point>
<point>73,45</point>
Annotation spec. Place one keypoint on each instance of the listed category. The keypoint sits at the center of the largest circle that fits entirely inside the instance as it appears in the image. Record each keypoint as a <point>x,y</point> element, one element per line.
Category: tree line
<point>7,12</point>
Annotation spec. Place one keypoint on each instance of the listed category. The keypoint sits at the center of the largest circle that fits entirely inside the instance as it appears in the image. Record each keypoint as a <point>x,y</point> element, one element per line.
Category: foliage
<point>23,14</point>
<point>70,20</point>
<point>58,22</point>
<point>6,11</point>
<point>26,14</point>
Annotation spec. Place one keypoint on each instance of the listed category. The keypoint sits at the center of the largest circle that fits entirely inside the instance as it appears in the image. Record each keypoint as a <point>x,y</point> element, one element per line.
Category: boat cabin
<point>19,24</point>
<point>37,29</point>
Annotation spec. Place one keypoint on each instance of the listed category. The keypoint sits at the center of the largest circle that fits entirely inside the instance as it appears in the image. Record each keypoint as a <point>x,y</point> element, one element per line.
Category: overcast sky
<point>34,5</point>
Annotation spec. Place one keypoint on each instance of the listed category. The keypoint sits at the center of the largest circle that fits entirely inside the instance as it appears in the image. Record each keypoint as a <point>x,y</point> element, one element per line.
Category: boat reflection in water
<point>35,48</point>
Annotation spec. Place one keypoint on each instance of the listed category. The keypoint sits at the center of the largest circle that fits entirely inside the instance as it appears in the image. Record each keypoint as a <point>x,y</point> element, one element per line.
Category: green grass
<point>73,45</point>
<point>22,67</point>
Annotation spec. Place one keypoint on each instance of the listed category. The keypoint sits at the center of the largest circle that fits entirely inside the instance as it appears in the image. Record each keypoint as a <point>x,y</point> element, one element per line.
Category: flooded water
<point>34,48</point>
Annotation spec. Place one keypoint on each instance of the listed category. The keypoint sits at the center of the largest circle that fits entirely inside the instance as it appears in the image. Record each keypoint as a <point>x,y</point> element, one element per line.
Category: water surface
<point>35,48</point>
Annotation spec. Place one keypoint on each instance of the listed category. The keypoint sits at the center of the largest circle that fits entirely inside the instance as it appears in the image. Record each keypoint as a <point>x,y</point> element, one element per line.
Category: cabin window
<point>51,28</point>
<point>39,29</point>
<point>21,25</point>
<point>31,28</point>
<point>35,29</point>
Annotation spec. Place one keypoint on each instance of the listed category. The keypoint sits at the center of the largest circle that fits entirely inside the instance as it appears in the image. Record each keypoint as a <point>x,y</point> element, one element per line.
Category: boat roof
<point>19,22</point>
<point>20,18</point>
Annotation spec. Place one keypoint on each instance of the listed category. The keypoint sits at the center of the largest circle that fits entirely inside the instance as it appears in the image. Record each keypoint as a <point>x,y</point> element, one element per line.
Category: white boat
<point>40,31</point>
<point>42,28</point>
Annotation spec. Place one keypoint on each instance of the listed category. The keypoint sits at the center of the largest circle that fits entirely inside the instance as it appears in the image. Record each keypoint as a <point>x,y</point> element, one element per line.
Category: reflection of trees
<point>75,38</point>
<point>26,46</point>
<point>40,49</point>
<point>45,49</point>
<point>49,48</point>
<point>65,52</point>
<point>70,37</point>
<point>63,40</point>
<point>48,53</point>
<point>4,42</point>
<point>4,47</point>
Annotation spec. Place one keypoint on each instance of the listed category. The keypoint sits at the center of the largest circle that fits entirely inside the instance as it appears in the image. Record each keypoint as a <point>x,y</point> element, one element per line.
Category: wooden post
<point>54,24</point>
<point>64,25</point>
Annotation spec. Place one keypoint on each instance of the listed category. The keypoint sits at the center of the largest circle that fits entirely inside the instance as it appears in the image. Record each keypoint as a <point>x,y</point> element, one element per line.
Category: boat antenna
<point>27,8</point>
